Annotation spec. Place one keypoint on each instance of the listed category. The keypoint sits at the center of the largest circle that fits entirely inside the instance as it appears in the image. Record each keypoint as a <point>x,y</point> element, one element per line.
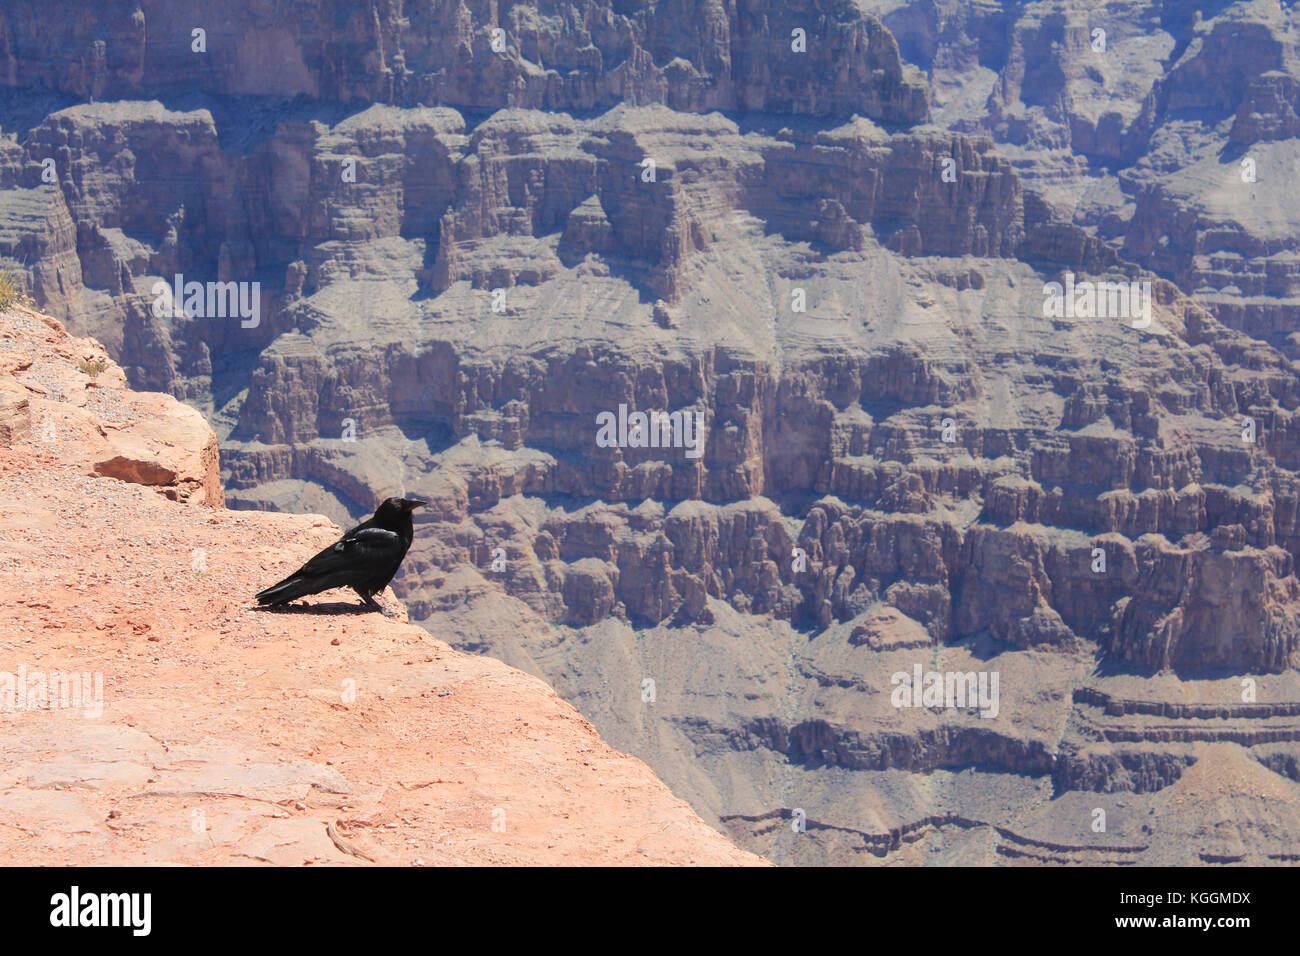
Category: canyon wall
<point>830,230</point>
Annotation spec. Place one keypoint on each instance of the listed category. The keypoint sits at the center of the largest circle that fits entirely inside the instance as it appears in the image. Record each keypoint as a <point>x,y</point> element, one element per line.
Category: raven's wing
<point>361,548</point>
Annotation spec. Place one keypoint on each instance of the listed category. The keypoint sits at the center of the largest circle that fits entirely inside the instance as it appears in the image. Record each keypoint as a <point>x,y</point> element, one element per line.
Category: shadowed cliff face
<point>477,56</point>
<point>839,236</point>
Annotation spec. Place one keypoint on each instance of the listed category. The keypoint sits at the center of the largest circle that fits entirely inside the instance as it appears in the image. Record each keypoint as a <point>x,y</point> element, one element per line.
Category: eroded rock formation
<point>839,255</point>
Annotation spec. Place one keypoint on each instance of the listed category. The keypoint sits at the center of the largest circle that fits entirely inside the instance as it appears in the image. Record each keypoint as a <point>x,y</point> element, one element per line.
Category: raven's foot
<point>376,606</point>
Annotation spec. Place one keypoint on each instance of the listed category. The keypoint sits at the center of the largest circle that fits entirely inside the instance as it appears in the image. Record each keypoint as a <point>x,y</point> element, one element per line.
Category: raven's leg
<point>374,605</point>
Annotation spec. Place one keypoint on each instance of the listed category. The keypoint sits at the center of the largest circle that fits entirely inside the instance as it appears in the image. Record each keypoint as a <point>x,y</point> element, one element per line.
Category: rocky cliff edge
<point>150,715</point>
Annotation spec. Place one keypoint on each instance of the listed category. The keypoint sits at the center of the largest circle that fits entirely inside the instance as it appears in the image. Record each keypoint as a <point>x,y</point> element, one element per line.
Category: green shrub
<point>92,367</point>
<point>9,293</point>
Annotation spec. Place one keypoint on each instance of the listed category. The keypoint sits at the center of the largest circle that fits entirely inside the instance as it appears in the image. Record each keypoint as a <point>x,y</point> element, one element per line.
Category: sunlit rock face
<point>841,237</point>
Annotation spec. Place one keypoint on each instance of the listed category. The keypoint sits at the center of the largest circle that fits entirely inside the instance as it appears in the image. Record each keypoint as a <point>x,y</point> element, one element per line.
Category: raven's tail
<point>287,590</point>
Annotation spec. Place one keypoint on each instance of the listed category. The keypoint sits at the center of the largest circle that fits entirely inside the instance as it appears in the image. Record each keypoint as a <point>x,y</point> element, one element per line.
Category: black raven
<point>365,559</point>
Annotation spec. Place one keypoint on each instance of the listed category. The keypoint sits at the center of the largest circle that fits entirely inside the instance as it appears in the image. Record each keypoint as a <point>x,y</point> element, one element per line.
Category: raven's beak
<point>412,503</point>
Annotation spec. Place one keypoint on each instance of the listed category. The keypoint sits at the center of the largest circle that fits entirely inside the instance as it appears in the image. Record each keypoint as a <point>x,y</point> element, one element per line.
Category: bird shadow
<point>330,609</point>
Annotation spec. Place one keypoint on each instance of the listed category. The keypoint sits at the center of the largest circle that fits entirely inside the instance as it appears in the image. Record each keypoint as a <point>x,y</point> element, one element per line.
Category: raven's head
<point>394,509</point>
